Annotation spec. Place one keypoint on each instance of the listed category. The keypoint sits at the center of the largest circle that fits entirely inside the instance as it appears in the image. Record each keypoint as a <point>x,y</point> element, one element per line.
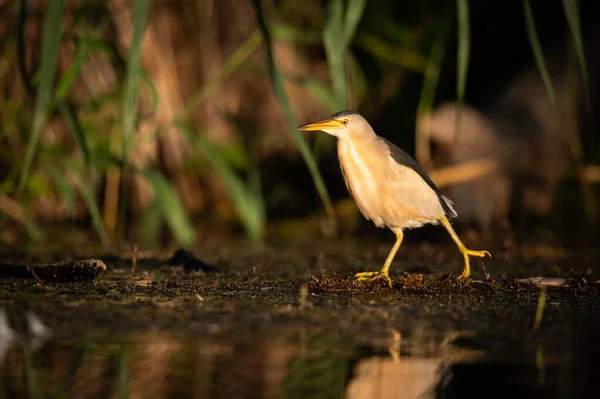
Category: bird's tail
<point>450,211</point>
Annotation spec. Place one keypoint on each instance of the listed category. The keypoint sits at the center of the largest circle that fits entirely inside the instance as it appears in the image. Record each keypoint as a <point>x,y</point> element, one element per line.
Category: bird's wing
<point>413,187</point>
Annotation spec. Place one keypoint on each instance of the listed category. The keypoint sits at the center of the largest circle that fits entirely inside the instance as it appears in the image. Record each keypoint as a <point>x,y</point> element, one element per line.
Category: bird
<point>388,186</point>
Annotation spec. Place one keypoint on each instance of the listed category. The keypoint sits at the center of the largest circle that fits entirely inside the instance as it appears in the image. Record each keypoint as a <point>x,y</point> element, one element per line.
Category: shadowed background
<point>168,121</point>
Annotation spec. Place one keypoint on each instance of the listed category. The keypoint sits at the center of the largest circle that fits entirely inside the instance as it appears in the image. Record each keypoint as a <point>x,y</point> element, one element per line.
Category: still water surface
<point>274,359</point>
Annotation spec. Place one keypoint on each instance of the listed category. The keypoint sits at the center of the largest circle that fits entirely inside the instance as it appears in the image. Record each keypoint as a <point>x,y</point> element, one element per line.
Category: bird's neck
<point>356,145</point>
<point>356,157</point>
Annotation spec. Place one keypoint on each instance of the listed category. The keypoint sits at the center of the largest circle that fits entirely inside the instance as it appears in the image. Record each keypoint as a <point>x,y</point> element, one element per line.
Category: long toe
<point>370,276</point>
<point>365,276</point>
<point>480,254</point>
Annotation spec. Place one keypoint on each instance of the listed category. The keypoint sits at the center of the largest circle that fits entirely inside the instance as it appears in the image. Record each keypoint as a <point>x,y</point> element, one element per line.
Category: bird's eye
<point>345,122</point>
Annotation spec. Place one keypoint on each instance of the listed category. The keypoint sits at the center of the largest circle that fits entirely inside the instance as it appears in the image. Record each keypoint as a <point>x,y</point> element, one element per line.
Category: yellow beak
<point>320,125</point>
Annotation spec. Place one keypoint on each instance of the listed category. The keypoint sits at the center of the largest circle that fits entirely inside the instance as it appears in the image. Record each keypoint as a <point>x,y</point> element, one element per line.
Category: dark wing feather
<point>403,158</point>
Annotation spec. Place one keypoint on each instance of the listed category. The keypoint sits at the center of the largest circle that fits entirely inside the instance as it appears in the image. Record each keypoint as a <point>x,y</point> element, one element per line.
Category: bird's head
<point>343,124</point>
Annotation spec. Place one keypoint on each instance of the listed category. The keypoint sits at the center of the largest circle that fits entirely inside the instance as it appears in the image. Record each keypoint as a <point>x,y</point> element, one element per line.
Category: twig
<point>250,273</point>
<point>485,273</point>
<point>303,300</point>
<point>134,258</point>
<point>34,274</point>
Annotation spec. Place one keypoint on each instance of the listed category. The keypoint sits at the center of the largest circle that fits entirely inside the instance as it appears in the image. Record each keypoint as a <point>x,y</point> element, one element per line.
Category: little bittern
<point>387,185</point>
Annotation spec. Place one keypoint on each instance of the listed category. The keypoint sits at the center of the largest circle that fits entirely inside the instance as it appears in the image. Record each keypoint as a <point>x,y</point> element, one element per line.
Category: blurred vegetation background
<point>152,120</point>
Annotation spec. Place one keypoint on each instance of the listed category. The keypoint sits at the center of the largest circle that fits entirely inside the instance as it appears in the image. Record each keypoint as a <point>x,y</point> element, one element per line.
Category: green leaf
<point>335,49</point>
<point>278,87</point>
<point>358,78</point>
<point>89,198</point>
<point>152,222</point>
<point>572,16</point>
<point>321,91</point>
<point>83,50</point>
<point>340,28</point>
<point>354,13</point>
<point>288,32</point>
<point>140,18</point>
<point>69,77</point>
<point>538,53</point>
<point>247,202</point>
<point>464,47</point>
<point>571,135</point>
<point>235,60</point>
<point>50,48</point>
<point>153,89</point>
<point>426,100</point>
<point>172,208</point>
<point>65,189</point>
<point>32,229</point>
<point>94,44</point>
<point>79,134</point>
<point>384,51</point>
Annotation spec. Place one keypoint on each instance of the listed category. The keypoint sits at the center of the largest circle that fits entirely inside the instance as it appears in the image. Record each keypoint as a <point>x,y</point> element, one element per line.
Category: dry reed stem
<point>591,173</point>
<point>450,175</point>
<point>471,170</point>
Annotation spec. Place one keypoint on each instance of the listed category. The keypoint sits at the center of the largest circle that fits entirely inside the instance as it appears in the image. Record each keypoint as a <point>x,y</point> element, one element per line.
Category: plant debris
<point>61,272</point>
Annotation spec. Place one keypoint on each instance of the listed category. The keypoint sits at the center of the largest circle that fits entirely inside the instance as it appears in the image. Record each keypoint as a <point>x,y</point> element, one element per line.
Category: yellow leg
<point>463,250</point>
<point>383,273</point>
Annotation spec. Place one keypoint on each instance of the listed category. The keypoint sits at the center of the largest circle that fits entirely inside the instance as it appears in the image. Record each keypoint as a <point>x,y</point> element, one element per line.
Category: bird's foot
<point>480,254</point>
<point>370,276</point>
<point>467,270</point>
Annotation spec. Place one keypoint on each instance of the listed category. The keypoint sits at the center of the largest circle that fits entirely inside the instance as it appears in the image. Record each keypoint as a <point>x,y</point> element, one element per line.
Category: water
<point>235,357</point>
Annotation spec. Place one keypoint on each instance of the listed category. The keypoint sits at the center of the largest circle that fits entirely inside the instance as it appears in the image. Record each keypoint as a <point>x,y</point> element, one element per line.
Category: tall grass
<point>140,18</point>
<point>246,197</point>
<point>130,97</point>
<point>64,86</point>
<point>403,56</point>
<point>427,97</point>
<point>572,16</point>
<point>278,87</point>
<point>87,193</point>
<point>172,210</point>
<point>48,98</point>
<point>338,33</point>
<point>233,63</point>
<point>235,60</point>
<point>340,26</point>
<point>463,51</point>
<point>571,133</point>
<point>50,49</point>
<point>538,53</point>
